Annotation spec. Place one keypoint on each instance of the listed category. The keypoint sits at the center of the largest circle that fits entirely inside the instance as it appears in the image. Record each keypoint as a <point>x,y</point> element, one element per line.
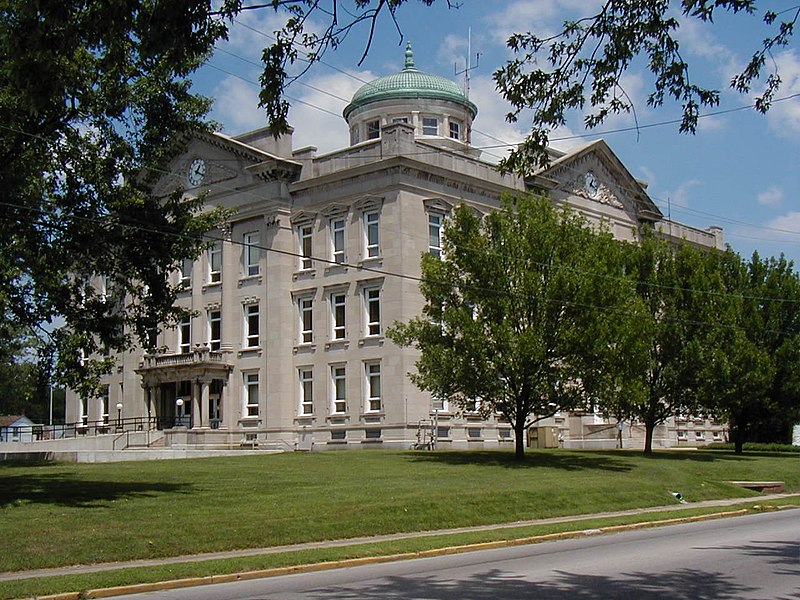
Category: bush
<point>753,447</point>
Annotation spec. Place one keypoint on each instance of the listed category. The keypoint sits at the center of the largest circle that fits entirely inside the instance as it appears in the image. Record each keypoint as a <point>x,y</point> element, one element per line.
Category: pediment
<point>226,162</point>
<point>596,176</point>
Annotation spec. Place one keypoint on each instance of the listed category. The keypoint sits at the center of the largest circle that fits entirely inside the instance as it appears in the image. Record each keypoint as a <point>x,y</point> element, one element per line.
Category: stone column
<point>204,399</point>
<point>196,415</point>
<point>225,407</point>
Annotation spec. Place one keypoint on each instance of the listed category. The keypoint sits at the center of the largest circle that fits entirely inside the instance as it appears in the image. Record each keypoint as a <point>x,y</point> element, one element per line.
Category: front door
<point>214,411</point>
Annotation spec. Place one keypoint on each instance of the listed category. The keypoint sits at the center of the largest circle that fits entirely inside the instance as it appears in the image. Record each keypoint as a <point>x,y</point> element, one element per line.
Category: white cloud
<point>772,196</point>
<point>541,17</point>
<point>318,120</point>
<point>452,51</point>
<point>784,117</point>
<point>316,108</point>
<point>785,226</point>
<point>681,196</point>
<point>236,106</point>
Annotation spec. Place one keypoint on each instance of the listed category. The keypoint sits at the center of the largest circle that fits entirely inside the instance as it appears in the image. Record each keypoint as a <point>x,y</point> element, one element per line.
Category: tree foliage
<point>93,96</point>
<point>672,287</point>
<point>750,356</point>
<point>508,309</point>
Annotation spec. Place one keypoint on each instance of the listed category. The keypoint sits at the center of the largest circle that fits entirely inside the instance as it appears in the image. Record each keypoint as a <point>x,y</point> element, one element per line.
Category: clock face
<point>196,173</point>
<point>590,184</point>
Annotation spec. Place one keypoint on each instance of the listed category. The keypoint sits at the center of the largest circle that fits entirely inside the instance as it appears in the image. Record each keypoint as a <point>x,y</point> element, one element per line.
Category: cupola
<point>435,106</point>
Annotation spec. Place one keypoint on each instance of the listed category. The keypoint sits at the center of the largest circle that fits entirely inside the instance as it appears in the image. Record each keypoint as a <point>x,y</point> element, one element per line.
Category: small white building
<point>288,348</point>
<point>17,428</point>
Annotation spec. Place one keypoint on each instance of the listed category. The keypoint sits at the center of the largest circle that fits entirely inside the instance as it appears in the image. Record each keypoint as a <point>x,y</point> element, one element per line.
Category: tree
<point>749,357</point>
<point>671,307</point>
<point>93,98</point>
<point>506,311</point>
<point>578,67</point>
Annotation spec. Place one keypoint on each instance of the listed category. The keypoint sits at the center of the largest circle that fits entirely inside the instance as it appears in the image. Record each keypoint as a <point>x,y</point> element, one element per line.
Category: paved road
<point>746,557</point>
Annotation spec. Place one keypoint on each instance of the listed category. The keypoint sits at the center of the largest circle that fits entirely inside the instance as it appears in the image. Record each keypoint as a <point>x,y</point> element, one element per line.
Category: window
<point>399,119</point>
<point>373,129</point>
<point>104,402</point>
<point>699,435</point>
<point>371,234</point>
<point>717,435</point>
<point>435,223</point>
<point>214,329</point>
<point>250,395</point>
<point>337,239</point>
<point>215,263</point>
<point>339,389</point>
<point>84,417</point>
<point>472,405</point>
<point>505,434</point>
<point>372,434</point>
<point>186,273</point>
<point>681,434</point>
<point>474,433</point>
<point>372,301</point>
<point>306,392</point>
<point>338,435</point>
<point>304,233</point>
<point>373,371</point>
<point>184,335</point>
<point>306,306</point>
<point>338,314</point>
<point>252,253</point>
<point>430,126</point>
<point>251,325</point>
<point>442,433</point>
<point>455,129</point>
<point>440,404</point>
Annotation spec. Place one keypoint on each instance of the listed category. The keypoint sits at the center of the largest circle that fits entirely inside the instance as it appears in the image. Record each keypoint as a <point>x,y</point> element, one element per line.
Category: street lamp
<point>179,412</point>
<point>119,415</point>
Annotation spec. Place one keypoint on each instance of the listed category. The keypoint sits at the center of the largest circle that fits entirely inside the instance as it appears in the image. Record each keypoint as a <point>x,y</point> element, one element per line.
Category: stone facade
<point>292,301</point>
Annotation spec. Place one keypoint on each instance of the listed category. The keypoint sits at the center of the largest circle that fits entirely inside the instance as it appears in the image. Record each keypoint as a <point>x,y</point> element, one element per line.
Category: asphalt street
<point>754,556</point>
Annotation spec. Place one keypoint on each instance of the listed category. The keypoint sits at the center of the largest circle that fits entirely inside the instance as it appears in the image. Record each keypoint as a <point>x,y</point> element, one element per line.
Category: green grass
<point>61,514</point>
<point>141,575</point>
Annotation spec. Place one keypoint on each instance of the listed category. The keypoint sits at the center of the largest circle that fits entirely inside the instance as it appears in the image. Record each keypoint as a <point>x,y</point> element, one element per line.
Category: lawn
<point>61,514</point>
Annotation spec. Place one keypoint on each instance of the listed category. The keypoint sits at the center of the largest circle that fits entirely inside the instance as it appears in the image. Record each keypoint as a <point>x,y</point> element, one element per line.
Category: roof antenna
<point>469,67</point>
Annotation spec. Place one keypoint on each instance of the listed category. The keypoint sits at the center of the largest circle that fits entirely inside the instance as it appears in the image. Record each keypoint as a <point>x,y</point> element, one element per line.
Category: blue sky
<point>741,171</point>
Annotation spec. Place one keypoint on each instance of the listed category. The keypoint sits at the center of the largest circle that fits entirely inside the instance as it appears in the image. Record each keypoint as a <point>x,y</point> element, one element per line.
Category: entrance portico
<point>188,390</point>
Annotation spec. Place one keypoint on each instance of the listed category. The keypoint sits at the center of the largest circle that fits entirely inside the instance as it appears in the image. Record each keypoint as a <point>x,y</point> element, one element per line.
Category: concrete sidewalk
<point>93,568</point>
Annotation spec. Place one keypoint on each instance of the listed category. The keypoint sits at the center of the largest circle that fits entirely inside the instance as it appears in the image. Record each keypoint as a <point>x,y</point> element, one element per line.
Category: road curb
<point>353,562</point>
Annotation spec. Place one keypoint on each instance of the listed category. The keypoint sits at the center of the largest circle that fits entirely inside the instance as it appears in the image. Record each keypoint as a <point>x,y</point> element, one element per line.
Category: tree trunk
<point>519,440</point>
<point>738,445</point>
<point>648,437</point>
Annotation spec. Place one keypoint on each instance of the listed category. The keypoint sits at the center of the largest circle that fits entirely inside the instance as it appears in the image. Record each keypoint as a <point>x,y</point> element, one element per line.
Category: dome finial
<point>409,56</point>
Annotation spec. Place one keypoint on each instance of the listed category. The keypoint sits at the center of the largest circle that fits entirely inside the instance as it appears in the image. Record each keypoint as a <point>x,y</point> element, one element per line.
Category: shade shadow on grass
<point>564,460</point>
<point>63,490</point>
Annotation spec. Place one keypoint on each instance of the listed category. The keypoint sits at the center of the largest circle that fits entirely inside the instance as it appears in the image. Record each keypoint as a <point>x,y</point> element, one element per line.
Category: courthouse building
<point>288,347</point>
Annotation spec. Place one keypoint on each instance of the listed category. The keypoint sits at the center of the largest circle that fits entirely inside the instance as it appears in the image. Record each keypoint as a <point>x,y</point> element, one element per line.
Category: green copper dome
<point>409,84</point>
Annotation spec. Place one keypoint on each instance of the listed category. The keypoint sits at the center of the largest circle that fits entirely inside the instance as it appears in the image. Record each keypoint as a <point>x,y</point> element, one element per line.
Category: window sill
<point>308,348</point>
<point>212,285</point>
<point>337,345</point>
<point>371,340</point>
<point>338,418</point>
<point>372,441</point>
<point>303,274</point>
<point>335,269</point>
<point>371,262</point>
<point>249,350</point>
<point>250,279</point>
